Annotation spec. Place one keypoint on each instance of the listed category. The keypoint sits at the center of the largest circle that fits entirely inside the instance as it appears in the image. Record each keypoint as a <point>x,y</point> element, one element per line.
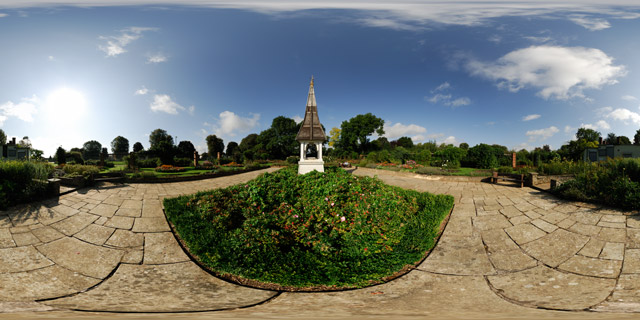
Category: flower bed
<point>324,230</point>
<point>169,168</point>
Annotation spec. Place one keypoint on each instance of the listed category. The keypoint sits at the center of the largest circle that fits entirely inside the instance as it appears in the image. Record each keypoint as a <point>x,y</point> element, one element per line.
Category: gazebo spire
<point>311,129</point>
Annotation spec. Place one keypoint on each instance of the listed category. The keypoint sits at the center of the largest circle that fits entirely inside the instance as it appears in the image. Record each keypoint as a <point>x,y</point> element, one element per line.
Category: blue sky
<point>519,74</point>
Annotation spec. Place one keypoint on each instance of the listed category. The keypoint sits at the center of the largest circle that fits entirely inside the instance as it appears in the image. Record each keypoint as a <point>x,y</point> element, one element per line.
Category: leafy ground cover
<point>614,182</point>
<point>22,181</point>
<point>319,230</point>
<point>460,171</point>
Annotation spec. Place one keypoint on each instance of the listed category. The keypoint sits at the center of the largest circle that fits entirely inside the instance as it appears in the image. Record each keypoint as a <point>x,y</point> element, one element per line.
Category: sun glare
<point>65,105</point>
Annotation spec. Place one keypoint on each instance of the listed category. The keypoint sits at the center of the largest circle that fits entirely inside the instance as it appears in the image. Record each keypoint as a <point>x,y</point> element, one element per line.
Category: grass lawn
<point>471,172</point>
<point>319,230</point>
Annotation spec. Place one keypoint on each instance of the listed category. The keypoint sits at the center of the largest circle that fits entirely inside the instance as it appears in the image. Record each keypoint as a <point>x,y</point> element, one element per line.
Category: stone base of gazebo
<point>308,165</point>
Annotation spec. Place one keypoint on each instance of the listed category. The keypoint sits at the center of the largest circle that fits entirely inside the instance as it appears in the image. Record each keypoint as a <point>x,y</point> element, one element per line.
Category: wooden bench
<point>508,177</point>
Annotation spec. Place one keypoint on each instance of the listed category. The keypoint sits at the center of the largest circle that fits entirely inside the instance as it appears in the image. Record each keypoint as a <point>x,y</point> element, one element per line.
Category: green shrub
<point>22,181</point>
<point>329,228</point>
<point>295,159</point>
<point>149,163</point>
<point>182,162</point>
<point>86,171</point>
<point>614,182</point>
<point>505,170</point>
<point>429,170</point>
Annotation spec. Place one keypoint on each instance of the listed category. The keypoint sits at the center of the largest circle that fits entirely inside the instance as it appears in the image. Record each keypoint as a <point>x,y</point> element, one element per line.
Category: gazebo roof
<point>311,129</point>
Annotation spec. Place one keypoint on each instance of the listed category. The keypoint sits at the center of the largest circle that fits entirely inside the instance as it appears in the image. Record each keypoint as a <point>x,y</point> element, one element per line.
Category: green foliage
<point>137,147</point>
<point>91,150</point>
<point>183,162</point>
<point>120,145</point>
<point>75,157</point>
<point>86,171</point>
<point>279,141</point>
<point>404,142</point>
<point>3,137</point>
<point>483,156</point>
<point>505,169</point>
<point>157,136</point>
<point>614,182</point>
<point>215,145</point>
<point>22,181</point>
<point>186,150</point>
<point>61,156</point>
<point>293,159</point>
<point>450,156</point>
<point>564,167</point>
<point>165,151</point>
<point>354,133</point>
<point>149,163</point>
<point>328,228</point>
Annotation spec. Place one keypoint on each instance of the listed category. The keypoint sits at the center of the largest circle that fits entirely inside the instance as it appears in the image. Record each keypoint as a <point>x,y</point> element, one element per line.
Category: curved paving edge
<point>536,250</point>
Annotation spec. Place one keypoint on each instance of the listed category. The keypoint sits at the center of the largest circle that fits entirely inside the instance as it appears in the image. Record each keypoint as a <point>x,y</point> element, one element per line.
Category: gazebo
<point>311,137</point>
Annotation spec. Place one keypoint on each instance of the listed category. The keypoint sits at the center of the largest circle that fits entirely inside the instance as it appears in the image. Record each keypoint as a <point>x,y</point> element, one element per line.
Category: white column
<point>319,147</point>
<point>302,147</point>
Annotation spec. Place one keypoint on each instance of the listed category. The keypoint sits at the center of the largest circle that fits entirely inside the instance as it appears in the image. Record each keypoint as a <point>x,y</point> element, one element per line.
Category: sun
<point>65,105</point>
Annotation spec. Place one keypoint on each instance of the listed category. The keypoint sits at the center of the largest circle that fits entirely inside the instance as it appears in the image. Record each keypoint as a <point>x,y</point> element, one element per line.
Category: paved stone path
<point>505,251</point>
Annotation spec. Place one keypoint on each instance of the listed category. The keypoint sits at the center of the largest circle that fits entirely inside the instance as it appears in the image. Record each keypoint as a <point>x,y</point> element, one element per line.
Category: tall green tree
<point>157,136</point>
<point>186,149</point>
<point>612,138</point>
<point>355,133</point>
<point>233,151</point>
<point>91,150</point>
<point>61,155</point>
<point>215,145</point>
<point>334,136</point>
<point>636,138</point>
<point>120,145</point>
<point>404,142</point>
<point>247,146</point>
<point>623,140</point>
<point>279,141</point>
<point>137,147</point>
<point>588,135</point>
<point>3,137</point>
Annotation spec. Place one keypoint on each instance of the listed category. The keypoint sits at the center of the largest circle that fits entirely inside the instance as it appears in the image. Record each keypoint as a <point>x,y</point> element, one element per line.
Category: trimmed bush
<point>183,162</point>
<point>149,163</point>
<point>22,181</point>
<point>318,229</point>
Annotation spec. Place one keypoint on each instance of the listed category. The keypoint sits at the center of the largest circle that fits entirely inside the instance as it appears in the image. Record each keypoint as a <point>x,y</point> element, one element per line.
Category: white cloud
<point>418,138</point>
<point>538,40</point>
<point>495,38</point>
<point>400,130</point>
<point>2,15</point>
<point>530,117</point>
<point>629,98</point>
<point>599,125</point>
<point>401,14</point>
<point>116,44</point>
<point>297,118</point>
<point>142,91</point>
<point>521,146</point>
<point>451,140</point>
<point>589,23</point>
<point>623,114</point>
<point>157,58</point>
<point>541,134</point>
<point>444,86</point>
<point>559,72</point>
<point>441,95</point>
<point>23,110</point>
<point>51,58</point>
<point>230,123</point>
<point>164,103</point>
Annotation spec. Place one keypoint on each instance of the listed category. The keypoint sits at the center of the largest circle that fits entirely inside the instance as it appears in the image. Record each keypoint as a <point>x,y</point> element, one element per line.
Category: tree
<point>588,135</point>
<point>464,146</point>
<point>636,138</point>
<point>354,133</point>
<point>334,136</point>
<point>137,147</point>
<point>61,155</point>
<point>279,141</point>
<point>186,149</point>
<point>247,146</point>
<point>405,142</point>
<point>611,138</point>
<point>233,151</point>
<point>215,145</point>
<point>166,151</point>
<point>3,137</point>
<point>157,136</point>
<point>120,145</point>
<point>105,154</point>
<point>91,150</point>
<point>623,140</point>
<point>483,156</point>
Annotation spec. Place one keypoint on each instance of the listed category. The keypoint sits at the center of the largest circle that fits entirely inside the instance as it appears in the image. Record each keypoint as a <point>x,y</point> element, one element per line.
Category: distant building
<point>604,151</point>
<point>11,151</point>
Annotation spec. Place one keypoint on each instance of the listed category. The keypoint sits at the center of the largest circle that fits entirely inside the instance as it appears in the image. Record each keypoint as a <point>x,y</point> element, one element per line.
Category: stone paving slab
<point>162,248</point>
<point>548,288</point>
<point>45,283</point>
<point>22,259</point>
<point>556,247</point>
<point>163,288</point>
<point>592,267</point>
<point>82,257</point>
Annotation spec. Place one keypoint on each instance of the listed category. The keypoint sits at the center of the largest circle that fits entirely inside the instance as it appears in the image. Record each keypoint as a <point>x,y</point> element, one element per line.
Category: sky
<point>515,73</point>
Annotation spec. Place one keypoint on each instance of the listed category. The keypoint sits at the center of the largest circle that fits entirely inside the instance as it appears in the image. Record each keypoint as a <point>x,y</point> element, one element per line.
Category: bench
<point>508,177</point>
